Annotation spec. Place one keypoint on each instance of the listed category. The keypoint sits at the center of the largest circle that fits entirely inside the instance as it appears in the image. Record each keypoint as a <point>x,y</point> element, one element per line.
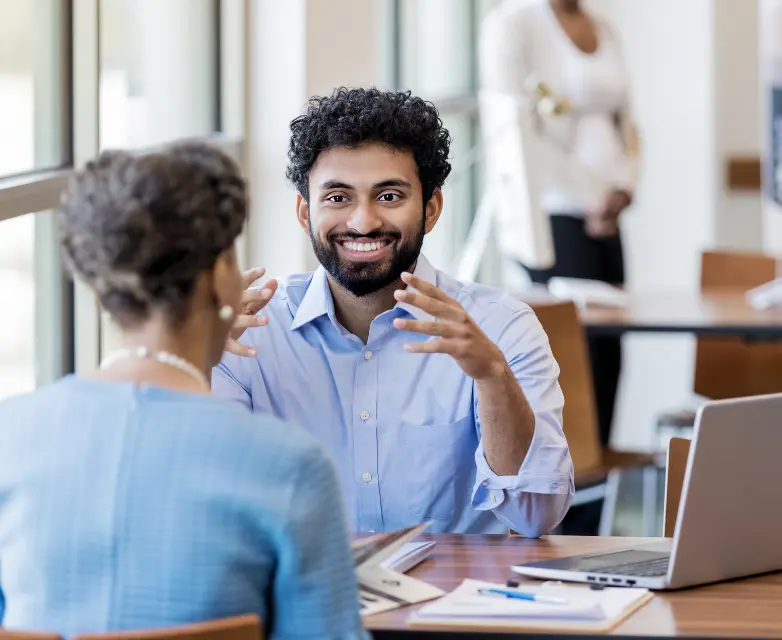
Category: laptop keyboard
<point>644,569</point>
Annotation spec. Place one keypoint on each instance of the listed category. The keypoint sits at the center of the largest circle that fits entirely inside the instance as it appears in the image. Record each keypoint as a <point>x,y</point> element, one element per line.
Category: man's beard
<point>364,278</point>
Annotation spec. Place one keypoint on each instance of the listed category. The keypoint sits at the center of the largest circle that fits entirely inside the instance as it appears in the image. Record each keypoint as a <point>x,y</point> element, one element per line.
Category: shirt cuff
<point>490,489</point>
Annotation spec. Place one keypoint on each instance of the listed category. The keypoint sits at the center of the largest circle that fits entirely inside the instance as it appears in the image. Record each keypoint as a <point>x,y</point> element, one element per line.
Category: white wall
<point>737,119</point>
<point>299,48</point>
<point>693,70</point>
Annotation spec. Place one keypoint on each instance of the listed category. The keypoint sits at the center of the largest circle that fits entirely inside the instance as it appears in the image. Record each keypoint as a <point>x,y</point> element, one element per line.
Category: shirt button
<point>493,499</point>
<point>485,483</point>
<point>367,477</point>
<point>364,415</point>
<point>368,355</point>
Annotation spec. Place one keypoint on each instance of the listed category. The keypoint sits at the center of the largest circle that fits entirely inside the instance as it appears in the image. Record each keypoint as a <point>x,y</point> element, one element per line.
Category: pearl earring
<point>226,313</point>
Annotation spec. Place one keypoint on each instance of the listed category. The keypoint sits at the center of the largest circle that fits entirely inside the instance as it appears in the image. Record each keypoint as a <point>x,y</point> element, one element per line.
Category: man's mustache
<point>374,235</point>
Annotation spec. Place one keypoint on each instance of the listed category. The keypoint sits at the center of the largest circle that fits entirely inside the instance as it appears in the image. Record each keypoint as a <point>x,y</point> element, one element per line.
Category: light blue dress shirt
<point>125,507</point>
<point>403,429</point>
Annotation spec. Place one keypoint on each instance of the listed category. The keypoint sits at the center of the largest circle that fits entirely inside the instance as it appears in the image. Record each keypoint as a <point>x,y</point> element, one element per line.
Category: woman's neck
<point>189,344</point>
<point>566,6</point>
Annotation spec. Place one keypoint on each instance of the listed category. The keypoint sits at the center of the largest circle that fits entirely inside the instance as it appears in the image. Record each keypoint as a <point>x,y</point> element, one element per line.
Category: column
<point>298,48</point>
<point>770,17</point>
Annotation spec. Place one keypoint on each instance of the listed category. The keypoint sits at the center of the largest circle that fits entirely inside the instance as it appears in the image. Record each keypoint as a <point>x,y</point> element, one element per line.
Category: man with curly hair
<point>437,400</point>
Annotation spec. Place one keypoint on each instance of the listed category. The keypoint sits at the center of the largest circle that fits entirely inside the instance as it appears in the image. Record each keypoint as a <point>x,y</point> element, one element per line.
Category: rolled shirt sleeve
<point>535,500</point>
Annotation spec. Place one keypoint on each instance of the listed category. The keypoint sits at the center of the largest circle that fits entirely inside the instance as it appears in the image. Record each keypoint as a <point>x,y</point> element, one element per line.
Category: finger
<point>252,275</point>
<point>253,300</point>
<point>262,295</point>
<point>450,347</point>
<point>239,349</point>
<point>436,308</point>
<point>441,329</point>
<point>245,322</point>
<point>426,287</point>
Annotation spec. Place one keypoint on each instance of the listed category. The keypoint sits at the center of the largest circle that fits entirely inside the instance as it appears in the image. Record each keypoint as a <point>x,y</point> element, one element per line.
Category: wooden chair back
<point>568,343</point>
<point>247,627</point>
<point>678,452</point>
<point>732,367</point>
<point>7,634</point>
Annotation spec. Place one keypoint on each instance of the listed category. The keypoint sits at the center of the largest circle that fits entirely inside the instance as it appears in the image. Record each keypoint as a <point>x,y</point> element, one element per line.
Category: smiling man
<point>437,400</point>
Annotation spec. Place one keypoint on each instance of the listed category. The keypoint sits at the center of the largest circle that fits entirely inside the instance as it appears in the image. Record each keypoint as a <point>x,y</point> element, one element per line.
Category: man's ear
<point>433,210</point>
<point>303,213</point>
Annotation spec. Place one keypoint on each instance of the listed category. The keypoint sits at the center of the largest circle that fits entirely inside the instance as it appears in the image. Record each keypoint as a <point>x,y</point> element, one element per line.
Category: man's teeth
<point>364,246</point>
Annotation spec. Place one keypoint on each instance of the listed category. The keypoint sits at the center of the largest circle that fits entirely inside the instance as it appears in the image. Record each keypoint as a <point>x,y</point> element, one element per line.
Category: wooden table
<point>724,313</point>
<point>748,608</point>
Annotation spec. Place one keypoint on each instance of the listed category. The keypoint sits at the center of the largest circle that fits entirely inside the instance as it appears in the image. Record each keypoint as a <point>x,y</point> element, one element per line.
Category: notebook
<point>586,609</point>
<point>380,561</point>
<point>408,556</point>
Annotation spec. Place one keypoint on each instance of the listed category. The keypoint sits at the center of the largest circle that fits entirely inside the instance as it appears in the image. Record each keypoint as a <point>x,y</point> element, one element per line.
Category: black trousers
<point>580,256</point>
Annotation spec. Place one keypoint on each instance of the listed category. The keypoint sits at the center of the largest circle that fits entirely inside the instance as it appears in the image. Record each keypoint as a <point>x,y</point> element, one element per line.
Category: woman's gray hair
<point>139,229</point>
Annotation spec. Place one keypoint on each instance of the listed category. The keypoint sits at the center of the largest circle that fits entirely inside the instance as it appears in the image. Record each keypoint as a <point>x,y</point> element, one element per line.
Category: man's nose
<point>364,220</point>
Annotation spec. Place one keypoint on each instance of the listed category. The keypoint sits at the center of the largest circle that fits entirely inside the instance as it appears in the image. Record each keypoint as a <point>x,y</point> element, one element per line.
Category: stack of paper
<point>408,556</point>
<point>766,296</point>
<point>380,561</point>
<point>587,292</point>
<point>585,609</point>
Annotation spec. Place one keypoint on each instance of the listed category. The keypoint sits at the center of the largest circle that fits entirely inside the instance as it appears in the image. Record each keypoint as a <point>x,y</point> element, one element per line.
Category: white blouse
<point>575,158</point>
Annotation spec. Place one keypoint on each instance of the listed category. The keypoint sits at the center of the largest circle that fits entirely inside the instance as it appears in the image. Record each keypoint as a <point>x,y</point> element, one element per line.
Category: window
<point>440,64</point>
<point>17,282</point>
<point>158,71</point>
<point>32,121</point>
<point>34,347</point>
<point>139,73</point>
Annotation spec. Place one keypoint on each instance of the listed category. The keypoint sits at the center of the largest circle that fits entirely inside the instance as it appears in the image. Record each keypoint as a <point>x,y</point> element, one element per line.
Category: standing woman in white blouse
<point>563,66</point>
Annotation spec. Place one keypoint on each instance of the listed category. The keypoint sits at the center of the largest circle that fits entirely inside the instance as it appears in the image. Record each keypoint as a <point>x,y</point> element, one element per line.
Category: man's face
<point>366,216</point>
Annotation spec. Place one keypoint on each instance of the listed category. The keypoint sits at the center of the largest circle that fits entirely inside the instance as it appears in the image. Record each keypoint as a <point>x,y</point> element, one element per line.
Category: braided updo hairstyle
<point>140,229</point>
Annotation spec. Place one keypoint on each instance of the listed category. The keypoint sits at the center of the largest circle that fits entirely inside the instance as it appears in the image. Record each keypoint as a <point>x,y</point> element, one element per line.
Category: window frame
<point>463,104</point>
<point>71,334</point>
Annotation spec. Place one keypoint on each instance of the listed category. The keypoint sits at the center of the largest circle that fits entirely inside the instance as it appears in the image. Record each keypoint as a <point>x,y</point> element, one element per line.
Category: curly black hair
<point>351,117</point>
<point>139,229</point>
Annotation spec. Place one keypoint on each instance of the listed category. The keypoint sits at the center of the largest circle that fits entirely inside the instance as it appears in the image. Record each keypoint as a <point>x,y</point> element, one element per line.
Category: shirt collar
<point>317,300</point>
<point>427,273</point>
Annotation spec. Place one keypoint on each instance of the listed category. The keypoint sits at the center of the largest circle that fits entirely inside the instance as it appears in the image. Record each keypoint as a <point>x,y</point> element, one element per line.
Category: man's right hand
<point>253,301</point>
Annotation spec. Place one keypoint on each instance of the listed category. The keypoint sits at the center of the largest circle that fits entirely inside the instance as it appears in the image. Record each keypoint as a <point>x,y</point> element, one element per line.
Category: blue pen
<point>521,595</point>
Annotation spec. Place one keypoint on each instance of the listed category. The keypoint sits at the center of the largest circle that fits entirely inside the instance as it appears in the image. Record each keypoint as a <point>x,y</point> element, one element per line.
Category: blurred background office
<point>78,76</point>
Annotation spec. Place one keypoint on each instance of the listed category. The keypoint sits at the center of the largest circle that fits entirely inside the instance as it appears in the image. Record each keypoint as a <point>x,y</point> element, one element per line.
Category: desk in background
<point>723,313</point>
<point>749,608</point>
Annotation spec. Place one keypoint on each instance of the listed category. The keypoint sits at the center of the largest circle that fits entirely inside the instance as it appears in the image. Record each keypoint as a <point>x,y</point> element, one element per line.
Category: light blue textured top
<point>127,507</point>
<point>404,429</point>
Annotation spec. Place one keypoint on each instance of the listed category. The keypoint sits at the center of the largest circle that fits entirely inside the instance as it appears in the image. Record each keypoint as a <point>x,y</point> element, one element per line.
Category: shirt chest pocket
<point>441,465</point>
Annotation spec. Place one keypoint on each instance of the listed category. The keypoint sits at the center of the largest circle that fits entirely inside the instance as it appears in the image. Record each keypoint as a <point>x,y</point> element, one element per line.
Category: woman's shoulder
<point>72,394</point>
<point>518,12</point>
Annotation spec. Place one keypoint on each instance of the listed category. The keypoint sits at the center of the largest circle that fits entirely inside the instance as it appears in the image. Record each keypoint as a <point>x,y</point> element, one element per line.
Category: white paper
<point>408,556</point>
<point>587,292</point>
<point>583,603</point>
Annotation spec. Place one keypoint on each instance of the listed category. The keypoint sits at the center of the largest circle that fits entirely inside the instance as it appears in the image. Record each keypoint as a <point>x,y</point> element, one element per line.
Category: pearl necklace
<point>164,357</point>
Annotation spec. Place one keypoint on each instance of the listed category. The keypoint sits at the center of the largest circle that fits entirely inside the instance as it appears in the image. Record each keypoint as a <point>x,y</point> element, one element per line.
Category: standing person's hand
<point>253,301</point>
<point>605,223</point>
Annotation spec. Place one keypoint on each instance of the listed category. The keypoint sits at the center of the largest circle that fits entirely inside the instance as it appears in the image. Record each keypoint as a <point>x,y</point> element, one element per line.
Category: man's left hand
<point>459,335</point>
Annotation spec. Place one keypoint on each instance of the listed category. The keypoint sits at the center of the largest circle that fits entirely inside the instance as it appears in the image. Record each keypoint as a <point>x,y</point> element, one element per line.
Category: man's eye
<point>389,197</point>
<point>337,199</point>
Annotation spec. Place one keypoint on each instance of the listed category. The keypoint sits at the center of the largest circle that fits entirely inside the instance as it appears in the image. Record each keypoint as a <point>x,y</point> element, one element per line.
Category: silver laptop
<point>730,513</point>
